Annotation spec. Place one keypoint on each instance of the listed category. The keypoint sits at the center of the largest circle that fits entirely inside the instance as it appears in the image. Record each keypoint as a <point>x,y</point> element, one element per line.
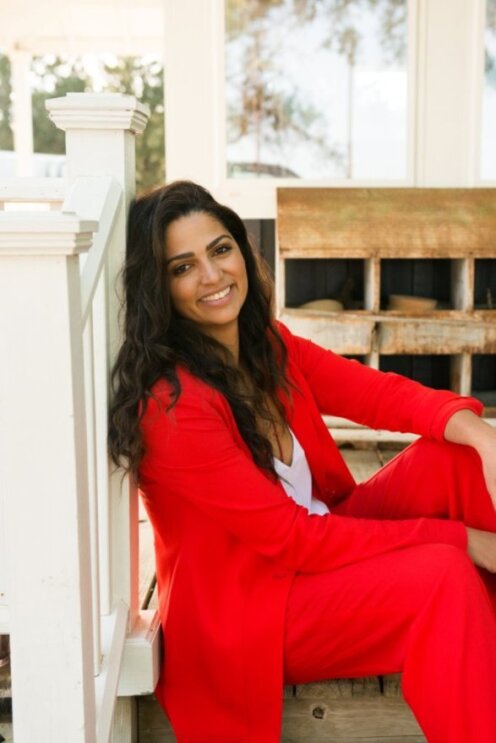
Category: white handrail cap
<point>98,111</point>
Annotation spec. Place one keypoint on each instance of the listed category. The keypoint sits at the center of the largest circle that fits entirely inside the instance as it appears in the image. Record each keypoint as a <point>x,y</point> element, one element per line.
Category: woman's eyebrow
<point>179,257</point>
<point>214,242</point>
<point>191,254</point>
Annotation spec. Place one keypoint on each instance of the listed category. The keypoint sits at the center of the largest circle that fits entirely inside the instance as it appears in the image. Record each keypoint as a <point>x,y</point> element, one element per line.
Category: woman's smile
<point>218,297</point>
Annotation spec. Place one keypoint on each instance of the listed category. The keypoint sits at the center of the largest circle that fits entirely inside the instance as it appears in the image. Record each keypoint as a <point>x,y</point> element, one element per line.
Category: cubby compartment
<point>370,243</point>
<point>309,279</point>
<point>433,371</point>
<point>485,284</point>
<point>426,278</point>
<point>484,378</point>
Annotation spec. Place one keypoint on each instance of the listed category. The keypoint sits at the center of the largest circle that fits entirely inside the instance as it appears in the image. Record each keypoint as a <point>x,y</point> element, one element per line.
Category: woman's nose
<point>210,272</point>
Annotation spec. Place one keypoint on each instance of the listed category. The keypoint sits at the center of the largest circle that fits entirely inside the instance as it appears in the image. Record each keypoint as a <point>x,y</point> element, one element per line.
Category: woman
<point>273,566</point>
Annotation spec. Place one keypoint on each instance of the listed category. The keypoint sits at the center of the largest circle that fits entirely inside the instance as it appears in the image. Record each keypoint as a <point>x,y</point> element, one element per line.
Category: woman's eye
<point>221,249</point>
<point>178,270</point>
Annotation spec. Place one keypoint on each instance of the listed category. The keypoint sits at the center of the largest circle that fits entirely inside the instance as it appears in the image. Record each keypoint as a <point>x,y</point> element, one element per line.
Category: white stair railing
<point>69,558</point>
<point>47,193</point>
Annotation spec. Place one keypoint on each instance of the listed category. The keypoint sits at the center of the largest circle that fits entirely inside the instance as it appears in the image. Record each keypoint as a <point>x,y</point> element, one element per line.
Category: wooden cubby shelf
<point>362,246</point>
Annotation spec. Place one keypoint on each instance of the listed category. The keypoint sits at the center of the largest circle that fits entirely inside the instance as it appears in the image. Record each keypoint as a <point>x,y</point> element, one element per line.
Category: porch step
<point>367,710</point>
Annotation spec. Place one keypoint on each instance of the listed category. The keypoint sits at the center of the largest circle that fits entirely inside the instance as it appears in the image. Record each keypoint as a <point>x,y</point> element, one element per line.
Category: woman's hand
<point>481,548</point>
<point>464,427</point>
<point>487,453</point>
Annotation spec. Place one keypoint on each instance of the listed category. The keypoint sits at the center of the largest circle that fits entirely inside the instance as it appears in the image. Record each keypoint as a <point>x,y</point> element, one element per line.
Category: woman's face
<point>206,275</point>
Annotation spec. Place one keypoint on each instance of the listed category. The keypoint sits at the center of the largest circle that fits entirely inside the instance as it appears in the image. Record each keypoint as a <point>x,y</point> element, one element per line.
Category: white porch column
<point>100,130</point>
<point>44,477</point>
<point>450,58</point>
<point>193,54</point>
<point>23,111</point>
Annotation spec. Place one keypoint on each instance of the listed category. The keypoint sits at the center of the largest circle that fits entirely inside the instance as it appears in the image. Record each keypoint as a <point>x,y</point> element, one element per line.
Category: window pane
<point>488,148</point>
<point>316,88</point>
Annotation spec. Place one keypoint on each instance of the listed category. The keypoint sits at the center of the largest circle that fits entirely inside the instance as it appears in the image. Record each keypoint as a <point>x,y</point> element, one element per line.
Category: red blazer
<point>228,540</point>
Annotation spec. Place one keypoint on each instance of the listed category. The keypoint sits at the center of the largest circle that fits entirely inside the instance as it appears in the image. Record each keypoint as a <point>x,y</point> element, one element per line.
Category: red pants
<point>425,610</point>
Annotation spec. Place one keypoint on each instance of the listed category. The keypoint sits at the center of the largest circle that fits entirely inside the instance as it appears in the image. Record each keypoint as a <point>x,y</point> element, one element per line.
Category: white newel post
<point>44,477</point>
<point>100,133</point>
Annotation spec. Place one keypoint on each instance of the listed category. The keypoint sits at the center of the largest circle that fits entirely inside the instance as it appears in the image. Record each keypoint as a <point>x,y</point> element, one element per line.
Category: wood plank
<point>429,335</point>
<point>6,731</point>
<point>369,435</point>
<point>461,373</point>
<point>445,332</point>
<point>462,283</point>
<point>372,284</point>
<point>125,722</point>
<point>385,455</point>
<point>363,718</point>
<point>363,464</point>
<point>164,737</point>
<point>392,682</point>
<point>343,332</point>
<point>368,686</point>
<point>387,222</point>
<point>153,725</point>
<point>146,561</point>
<point>368,720</point>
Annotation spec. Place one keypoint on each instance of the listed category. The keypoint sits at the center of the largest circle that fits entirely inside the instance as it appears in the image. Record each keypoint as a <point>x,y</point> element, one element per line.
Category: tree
<point>338,16</point>
<point>490,57</point>
<point>264,109</point>
<point>53,77</point>
<point>343,35</point>
<point>145,80</point>
<point>6,136</point>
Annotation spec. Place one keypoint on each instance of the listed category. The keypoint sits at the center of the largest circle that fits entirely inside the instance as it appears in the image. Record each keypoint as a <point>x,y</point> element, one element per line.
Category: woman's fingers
<point>486,449</point>
<point>481,548</point>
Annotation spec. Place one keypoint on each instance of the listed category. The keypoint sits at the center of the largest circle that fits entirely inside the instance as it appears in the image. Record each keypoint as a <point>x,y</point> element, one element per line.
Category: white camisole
<point>296,479</point>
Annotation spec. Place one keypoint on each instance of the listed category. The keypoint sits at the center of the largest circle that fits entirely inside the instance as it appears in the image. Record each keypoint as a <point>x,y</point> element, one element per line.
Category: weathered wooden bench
<point>362,246</point>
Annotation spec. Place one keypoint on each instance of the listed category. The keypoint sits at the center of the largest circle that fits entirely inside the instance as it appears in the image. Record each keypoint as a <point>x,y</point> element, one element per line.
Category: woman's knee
<point>430,450</point>
<point>451,568</point>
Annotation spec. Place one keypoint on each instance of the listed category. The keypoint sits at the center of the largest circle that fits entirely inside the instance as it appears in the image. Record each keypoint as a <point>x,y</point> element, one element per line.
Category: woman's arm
<point>194,456</point>
<point>466,428</point>
<point>376,399</point>
<point>463,427</point>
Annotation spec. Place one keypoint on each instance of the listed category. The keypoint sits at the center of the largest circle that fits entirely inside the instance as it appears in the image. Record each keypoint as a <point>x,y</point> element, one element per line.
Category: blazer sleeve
<point>347,388</point>
<point>192,454</point>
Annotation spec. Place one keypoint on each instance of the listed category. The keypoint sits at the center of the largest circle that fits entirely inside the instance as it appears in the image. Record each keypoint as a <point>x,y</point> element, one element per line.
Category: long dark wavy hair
<point>157,338</point>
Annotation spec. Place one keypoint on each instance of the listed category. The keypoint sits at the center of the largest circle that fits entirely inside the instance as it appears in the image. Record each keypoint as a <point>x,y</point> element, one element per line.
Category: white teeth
<point>218,295</point>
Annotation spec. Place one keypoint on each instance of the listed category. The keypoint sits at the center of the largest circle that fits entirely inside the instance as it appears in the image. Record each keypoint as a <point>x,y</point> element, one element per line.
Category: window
<point>316,89</point>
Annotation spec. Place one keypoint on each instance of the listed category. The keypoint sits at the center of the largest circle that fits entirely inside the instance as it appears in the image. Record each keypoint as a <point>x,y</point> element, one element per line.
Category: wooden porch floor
<point>368,710</point>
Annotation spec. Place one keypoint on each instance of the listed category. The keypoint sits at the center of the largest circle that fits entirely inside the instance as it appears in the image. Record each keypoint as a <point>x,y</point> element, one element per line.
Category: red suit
<point>251,587</point>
